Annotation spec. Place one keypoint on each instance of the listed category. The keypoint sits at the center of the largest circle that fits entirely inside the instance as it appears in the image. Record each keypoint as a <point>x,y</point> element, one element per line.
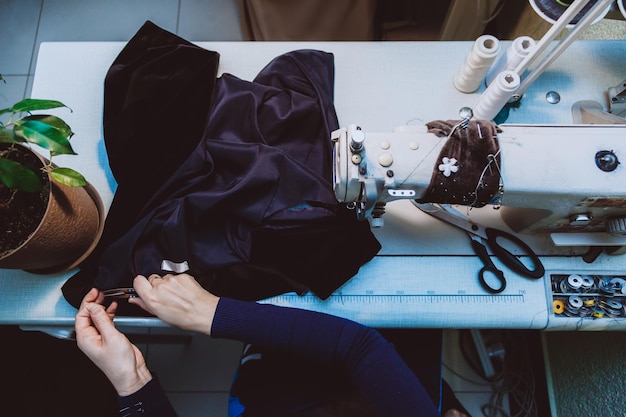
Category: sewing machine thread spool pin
<point>357,137</point>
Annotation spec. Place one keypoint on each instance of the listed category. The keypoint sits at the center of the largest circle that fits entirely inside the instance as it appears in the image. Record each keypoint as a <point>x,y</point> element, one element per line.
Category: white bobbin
<point>514,54</point>
<point>496,95</point>
<point>476,64</point>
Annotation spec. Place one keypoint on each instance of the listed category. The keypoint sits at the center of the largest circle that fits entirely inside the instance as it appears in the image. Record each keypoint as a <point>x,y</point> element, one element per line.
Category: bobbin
<point>587,282</point>
<point>605,286</point>
<point>558,306</point>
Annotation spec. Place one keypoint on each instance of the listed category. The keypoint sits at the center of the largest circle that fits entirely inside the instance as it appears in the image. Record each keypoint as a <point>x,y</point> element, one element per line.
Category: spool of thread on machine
<point>514,54</point>
<point>552,10</point>
<point>477,62</point>
<point>496,95</point>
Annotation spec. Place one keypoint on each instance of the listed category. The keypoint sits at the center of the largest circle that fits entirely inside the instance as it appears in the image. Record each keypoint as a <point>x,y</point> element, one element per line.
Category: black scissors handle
<point>511,260</point>
<point>488,267</point>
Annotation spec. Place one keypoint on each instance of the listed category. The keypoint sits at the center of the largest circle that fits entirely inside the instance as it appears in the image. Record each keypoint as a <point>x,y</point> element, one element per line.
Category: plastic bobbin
<point>586,282</point>
<point>477,63</point>
<point>589,302</point>
<point>575,302</point>
<point>496,95</point>
<point>558,306</point>
<point>606,287</point>
<point>514,54</point>
<point>597,312</point>
<point>612,308</point>
<point>575,281</point>
<point>618,284</point>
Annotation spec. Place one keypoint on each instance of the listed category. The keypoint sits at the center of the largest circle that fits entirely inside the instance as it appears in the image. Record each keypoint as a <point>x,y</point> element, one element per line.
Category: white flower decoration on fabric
<point>448,166</point>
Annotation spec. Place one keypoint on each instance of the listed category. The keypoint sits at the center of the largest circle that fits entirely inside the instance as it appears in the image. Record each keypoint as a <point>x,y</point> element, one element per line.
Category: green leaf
<point>7,136</point>
<point>30,104</point>
<point>68,177</point>
<point>44,135</point>
<point>15,175</point>
<point>53,121</point>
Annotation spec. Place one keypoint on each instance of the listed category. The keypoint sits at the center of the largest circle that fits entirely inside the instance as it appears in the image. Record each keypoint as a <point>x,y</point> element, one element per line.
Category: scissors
<point>479,235</point>
<point>125,292</point>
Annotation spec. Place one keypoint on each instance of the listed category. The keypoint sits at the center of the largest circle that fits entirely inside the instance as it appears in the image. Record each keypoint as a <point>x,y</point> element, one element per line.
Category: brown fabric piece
<point>307,20</point>
<point>476,181</point>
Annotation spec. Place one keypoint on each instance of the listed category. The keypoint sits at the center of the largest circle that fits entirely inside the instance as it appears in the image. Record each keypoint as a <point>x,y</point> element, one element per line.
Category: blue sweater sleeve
<point>372,363</point>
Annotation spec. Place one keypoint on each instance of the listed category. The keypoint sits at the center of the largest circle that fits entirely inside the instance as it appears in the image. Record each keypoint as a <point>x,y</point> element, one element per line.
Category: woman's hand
<point>111,351</point>
<point>176,299</point>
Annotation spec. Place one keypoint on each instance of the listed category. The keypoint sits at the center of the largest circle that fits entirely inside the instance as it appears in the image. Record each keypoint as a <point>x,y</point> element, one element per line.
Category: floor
<point>196,375</point>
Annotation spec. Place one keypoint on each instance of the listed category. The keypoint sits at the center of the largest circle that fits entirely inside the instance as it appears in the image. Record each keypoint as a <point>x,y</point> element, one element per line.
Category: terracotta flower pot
<point>68,232</point>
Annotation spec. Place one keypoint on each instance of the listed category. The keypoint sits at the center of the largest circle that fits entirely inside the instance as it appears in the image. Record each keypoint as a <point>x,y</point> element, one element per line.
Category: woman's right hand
<point>176,299</point>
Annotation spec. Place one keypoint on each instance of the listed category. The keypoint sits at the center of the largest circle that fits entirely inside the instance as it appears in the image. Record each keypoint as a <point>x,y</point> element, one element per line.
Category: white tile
<point>96,20</point>
<point>18,27</point>
<point>13,90</point>
<point>199,404</point>
<point>205,364</point>
<point>209,20</point>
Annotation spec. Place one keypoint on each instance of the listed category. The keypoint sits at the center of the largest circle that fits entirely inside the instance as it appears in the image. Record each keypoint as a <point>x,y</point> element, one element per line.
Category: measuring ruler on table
<point>429,292</point>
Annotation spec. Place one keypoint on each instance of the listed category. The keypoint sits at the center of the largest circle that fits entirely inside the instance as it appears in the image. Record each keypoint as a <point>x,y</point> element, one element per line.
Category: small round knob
<point>606,160</point>
<point>385,159</point>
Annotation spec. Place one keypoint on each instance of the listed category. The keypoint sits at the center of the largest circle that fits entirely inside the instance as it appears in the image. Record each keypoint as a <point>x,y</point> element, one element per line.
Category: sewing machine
<point>554,179</point>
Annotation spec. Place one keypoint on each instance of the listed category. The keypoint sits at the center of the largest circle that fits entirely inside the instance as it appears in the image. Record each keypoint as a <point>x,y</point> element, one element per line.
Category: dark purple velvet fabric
<point>254,188</point>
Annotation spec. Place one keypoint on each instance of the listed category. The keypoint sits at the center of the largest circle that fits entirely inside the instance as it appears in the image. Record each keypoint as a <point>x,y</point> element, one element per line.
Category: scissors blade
<point>120,293</point>
<point>452,216</point>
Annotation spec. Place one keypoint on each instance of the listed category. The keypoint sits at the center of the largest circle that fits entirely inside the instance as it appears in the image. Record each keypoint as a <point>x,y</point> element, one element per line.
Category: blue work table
<point>426,273</point>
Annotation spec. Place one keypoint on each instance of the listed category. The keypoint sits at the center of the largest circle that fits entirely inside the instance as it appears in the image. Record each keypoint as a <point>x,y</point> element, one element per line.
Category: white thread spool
<point>515,53</point>
<point>496,95</point>
<point>476,64</point>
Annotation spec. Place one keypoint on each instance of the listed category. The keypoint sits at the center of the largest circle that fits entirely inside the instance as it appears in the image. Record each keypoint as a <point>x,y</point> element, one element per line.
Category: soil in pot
<point>21,211</point>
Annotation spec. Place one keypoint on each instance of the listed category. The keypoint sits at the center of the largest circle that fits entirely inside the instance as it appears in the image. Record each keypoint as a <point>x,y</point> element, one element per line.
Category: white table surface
<point>425,274</point>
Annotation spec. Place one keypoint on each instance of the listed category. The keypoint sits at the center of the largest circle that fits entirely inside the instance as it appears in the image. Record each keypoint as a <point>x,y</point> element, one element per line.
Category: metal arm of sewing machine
<point>568,181</point>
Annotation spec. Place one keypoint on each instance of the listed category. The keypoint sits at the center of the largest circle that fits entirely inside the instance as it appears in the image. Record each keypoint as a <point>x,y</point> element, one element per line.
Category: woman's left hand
<point>111,351</point>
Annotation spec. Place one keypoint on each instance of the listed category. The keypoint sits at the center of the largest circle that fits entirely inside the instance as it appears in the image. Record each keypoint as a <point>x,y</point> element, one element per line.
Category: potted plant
<point>50,217</point>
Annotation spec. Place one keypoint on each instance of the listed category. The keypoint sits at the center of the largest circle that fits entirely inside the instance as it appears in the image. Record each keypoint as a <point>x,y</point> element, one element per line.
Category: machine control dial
<point>606,160</point>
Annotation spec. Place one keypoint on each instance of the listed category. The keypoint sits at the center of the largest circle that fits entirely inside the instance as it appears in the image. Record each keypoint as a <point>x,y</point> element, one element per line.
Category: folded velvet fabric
<point>226,179</point>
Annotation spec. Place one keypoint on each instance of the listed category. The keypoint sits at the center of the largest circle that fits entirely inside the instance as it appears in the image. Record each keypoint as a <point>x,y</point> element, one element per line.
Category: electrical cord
<point>514,379</point>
